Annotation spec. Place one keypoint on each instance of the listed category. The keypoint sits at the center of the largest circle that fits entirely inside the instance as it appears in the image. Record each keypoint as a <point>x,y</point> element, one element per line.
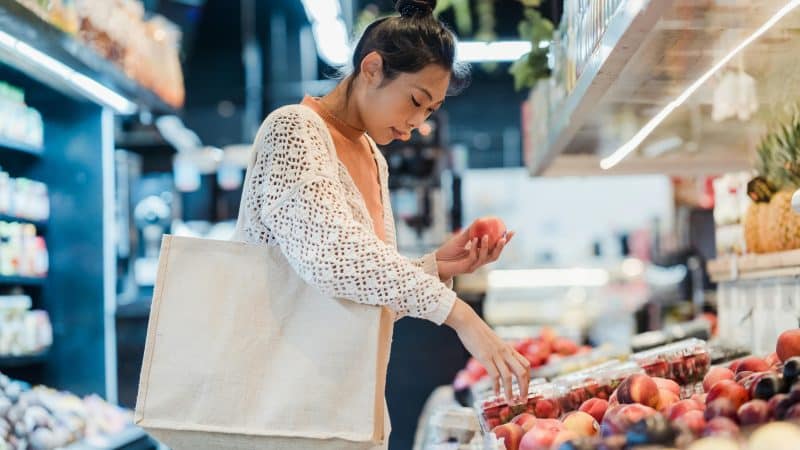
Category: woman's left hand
<point>461,255</point>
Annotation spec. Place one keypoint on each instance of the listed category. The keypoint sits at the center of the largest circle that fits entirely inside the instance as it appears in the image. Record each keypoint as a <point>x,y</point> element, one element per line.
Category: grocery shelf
<point>124,440</point>
<point>625,34</point>
<point>40,224</point>
<point>55,58</point>
<point>20,147</point>
<point>23,360</point>
<point>755,266</point>
<point>21,281</point>
<point>652,51</point>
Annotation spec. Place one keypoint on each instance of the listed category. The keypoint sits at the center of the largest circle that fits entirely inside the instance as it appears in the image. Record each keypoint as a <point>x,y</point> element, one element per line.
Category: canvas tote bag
<point>241,353</point>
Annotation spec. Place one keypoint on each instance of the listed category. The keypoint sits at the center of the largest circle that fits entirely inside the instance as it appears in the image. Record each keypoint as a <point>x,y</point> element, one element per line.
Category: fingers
<point>474,255</point>
<point>522,369</point>
<point>498,249</point>
<point>494,375</point>
<point>506,373</point>
<point>484,250</point>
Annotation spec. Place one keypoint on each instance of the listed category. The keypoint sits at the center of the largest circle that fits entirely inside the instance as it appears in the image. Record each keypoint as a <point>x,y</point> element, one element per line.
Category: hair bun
<point>415,8</point>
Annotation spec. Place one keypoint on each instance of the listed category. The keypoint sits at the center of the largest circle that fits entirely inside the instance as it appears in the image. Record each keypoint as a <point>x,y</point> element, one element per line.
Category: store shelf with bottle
<point>660,86</point>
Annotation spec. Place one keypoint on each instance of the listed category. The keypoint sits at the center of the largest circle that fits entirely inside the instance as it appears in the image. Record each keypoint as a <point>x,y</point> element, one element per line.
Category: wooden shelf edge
<point>755,266</point>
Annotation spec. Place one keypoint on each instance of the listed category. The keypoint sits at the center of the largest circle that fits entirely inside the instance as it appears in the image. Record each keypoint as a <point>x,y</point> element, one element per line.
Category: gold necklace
<point>328,112</point>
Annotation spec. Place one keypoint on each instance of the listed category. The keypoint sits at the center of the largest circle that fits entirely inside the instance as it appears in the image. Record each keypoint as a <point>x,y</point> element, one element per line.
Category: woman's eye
<point>415,102</point>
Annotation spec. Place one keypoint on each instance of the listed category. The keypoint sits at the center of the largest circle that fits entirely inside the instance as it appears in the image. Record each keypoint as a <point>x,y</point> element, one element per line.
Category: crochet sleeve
<point>301,202</point>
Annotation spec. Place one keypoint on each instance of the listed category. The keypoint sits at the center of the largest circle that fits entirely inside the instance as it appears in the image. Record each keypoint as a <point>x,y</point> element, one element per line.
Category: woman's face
<point>392,109</point>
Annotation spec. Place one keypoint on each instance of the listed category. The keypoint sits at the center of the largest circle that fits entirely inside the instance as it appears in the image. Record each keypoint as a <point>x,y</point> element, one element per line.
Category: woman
<point>317,186</point>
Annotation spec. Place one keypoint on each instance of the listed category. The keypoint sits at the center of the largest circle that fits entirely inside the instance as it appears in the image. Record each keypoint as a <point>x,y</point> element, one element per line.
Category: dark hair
<point>409,42</point>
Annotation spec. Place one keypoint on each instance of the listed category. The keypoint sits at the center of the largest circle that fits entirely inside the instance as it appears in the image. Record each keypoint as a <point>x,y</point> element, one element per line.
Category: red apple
<point>638,388</point>
<point>693,421</point>
<point>618,419</point>
<point>525,420</point>
<point>596,407</point>
<point>734,365</point>
<point>547,334</point>
<point>788,344</point>
<point>463,380</point>
<point>489,226</point>
<point>773,360</point>
<point>547,409</point>
<point>730,390</point>
<point>699,398</point>
<point>754,412</point>
<point>721,426</point>
<point>721,407</point>
<point>612,400</point>
<point>778,405</point>
<point>475,368</point>
<point>793,413</point>
<point>523,344</point>
<point>665,383</point>
<point>549,424</point>
<point>666,398</point>
<point>752,364</point>
<point>682,407</point>
<point>562,437</point>
<point>564,346</point>
<point>581,423</point>
<point>511,434</point>
<point>539,438</point>
<point>537,353</point>
<point>714,375</point>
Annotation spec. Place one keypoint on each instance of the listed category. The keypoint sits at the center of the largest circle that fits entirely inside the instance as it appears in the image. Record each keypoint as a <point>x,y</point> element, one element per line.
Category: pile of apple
<point>647,410</point>
<point>539,350</point>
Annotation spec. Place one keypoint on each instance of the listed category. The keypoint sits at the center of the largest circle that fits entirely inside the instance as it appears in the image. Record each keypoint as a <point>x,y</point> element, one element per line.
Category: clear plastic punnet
<point>684,362</point>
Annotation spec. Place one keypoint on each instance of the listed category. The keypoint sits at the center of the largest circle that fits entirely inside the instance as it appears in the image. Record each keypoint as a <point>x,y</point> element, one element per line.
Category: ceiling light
<point>500,51</point>
<point>80,82</point>
<point>620,154</point>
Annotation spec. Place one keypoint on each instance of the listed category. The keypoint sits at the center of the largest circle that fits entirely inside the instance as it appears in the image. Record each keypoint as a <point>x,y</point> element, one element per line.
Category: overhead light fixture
<point>331,36</point>
<point>499,51</point>
<point>620,154</point>
<point>329,29</point>
<point>80,82</point>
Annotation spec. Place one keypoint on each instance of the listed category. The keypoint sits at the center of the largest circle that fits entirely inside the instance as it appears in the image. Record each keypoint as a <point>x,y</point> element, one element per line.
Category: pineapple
<point>779,164</point>
<point>752,227</point>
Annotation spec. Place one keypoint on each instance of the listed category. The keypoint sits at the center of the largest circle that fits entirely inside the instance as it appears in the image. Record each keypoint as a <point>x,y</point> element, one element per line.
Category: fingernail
<point>469,245</point>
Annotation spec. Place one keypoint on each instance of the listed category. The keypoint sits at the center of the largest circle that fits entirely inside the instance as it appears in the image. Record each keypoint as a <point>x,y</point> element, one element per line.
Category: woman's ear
<point>372,69</point>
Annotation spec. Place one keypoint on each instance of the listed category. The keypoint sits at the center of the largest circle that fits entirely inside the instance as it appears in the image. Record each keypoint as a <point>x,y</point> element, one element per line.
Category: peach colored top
<point>355,152</point>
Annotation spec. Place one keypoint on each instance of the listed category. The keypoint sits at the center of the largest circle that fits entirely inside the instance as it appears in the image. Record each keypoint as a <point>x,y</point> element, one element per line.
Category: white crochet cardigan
<point>300,197</point>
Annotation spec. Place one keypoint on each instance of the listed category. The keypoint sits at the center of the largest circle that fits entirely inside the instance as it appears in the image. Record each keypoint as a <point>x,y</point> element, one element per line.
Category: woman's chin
<point>384,140</point>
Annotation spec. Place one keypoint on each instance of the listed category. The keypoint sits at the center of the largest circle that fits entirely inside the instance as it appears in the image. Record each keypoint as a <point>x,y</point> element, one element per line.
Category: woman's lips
<point>397,134</point>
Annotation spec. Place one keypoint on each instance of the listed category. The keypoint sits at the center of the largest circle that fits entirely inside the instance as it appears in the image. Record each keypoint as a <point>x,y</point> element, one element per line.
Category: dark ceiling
<point>214,72</point>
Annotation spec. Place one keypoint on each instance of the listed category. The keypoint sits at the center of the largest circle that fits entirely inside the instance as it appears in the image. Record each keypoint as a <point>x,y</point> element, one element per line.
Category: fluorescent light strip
<point>329,29</point>
<point>500,51</point>
<point>330,34</point>
<point>620,154</point>
<point>87,86</point>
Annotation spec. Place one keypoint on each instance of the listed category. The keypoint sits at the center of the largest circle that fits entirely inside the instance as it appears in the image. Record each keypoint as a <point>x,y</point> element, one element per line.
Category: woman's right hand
<point>501,361</point>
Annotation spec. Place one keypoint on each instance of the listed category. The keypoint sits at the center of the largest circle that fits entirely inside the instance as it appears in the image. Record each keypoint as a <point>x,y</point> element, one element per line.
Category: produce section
<point>740,403</point>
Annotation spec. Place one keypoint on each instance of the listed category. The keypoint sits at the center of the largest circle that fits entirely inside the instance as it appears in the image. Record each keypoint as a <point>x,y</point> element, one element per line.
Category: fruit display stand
<point>758,297</point>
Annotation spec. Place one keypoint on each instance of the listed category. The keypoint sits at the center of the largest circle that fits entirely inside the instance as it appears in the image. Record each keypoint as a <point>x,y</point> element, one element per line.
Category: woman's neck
<point>338,103</point>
